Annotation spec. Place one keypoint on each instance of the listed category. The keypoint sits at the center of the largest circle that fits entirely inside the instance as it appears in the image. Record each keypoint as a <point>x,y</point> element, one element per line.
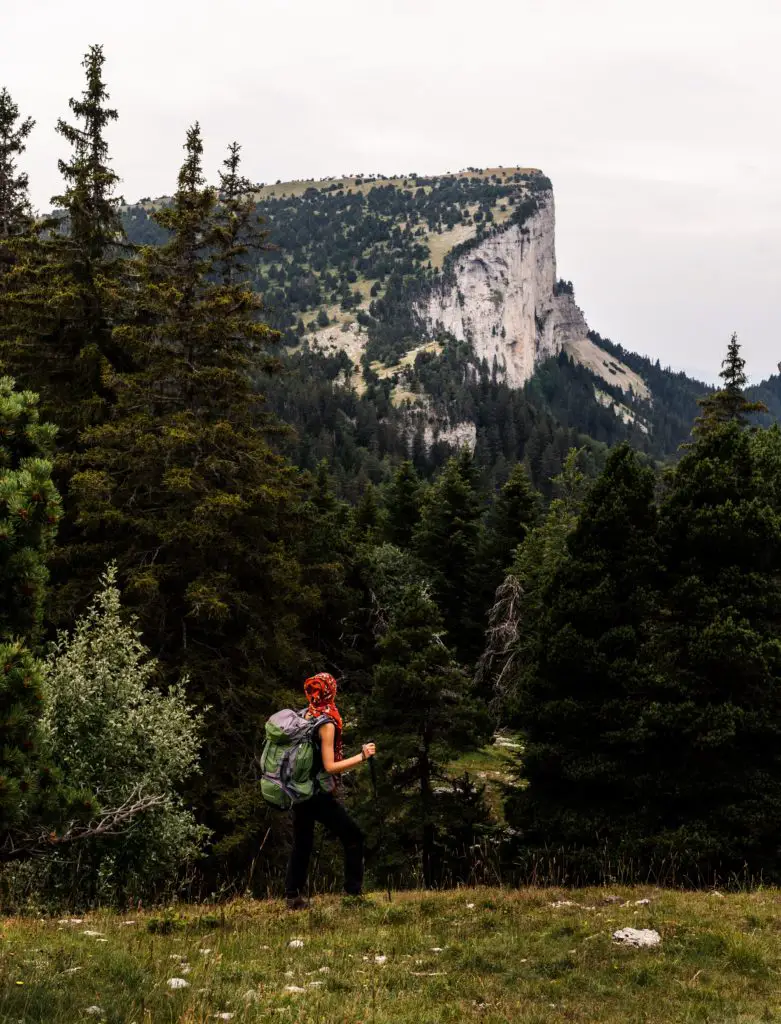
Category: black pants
<point>323,807</point>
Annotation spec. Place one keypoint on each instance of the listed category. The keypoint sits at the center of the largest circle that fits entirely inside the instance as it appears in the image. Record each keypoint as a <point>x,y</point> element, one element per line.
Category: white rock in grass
<point>225,1015</point>
<point>126,923</point>
<point>470,906</point>
<point>177,983</point>
<point>94,1011</point>
<point>294,989</point>
<point>380,958</point>
<point>642,903</point>
<point>323,970</point>
<point>436,949</point>
<point>637,937</point>
<point>91,934</point>
<point>314,984</point>
<point>295,944</point>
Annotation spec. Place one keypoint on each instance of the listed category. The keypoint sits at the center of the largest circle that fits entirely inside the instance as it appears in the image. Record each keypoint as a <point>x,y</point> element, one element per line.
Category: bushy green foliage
<point>110,730</point>
<point>29,512</point>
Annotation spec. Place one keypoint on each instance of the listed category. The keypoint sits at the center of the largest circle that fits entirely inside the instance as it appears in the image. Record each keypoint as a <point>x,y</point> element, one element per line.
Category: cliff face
<point>504,300</point>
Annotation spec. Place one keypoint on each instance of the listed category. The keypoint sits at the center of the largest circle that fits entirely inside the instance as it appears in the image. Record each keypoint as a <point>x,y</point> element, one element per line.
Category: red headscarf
<point>320,691</point>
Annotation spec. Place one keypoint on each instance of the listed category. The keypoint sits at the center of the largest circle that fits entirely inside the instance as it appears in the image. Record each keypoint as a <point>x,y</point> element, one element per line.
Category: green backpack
<point>287,760</point>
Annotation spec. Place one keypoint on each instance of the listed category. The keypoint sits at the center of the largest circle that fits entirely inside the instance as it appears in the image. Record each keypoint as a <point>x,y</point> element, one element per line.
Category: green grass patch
<point>468,955</point>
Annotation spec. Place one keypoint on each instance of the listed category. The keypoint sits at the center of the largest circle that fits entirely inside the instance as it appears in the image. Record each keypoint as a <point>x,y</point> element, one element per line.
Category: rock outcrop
<point>503,298</point>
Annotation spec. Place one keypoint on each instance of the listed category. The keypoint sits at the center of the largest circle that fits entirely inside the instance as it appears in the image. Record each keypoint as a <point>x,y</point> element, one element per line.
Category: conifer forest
<point>564,636</point>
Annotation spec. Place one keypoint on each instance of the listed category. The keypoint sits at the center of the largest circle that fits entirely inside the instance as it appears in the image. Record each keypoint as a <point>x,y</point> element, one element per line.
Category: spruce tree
<point>711,733</point>
<point>580,704</point>
<point>15,209</point>
<point>422,713</point>
<point>183,489</point>
<point>29,513</point>
<point>447,541</point>
<point>403,497</point>
<point>367,517</point>
<point>729,404</point>
<point>515,511</point>
<point>56,334</point>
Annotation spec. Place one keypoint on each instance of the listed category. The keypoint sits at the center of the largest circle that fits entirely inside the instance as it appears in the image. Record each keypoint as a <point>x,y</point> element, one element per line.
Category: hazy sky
<point>658,123</point>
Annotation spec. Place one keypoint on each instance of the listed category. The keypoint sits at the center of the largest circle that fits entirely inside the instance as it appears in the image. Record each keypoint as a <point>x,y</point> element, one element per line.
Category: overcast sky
<point>658,123</point>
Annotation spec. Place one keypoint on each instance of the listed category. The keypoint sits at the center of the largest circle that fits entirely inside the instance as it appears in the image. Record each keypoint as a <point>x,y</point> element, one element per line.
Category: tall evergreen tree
<point>185,492</point>
<point>15,209</point>
<point>67,290</point>
<point>711,734</point>
<point>423,715</point>
<point>447,541</point>
<point>579,708</point>
<point>403,498</point>
<point>515,511</point>
<point>729,404</point>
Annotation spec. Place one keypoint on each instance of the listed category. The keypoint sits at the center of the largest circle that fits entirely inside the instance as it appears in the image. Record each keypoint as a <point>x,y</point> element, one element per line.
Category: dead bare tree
<point>502,648</point>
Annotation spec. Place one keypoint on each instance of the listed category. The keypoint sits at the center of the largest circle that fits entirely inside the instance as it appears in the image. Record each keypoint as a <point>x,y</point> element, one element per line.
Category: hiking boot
<point>297,903</point>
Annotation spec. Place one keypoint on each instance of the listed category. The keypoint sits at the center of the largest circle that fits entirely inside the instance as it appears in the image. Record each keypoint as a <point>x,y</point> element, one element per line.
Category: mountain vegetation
<point>579,573</point>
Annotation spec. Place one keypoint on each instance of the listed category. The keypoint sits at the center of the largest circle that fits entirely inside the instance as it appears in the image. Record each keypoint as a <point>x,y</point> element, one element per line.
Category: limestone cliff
<point>502,297</point>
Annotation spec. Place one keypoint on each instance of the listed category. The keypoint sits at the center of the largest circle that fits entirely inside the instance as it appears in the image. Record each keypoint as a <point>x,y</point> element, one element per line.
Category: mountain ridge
<point>415,302</point>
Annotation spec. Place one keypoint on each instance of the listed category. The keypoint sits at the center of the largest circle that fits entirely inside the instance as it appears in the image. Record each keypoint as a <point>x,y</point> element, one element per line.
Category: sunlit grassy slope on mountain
<point>425,312</point>
<point>484,955</point>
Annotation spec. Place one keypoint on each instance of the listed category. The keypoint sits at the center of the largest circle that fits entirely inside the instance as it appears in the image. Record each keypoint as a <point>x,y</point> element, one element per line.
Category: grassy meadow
<point>534,955</point>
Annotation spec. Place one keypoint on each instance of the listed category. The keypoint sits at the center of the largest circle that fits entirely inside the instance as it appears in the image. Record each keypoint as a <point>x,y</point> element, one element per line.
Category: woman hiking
<point>324,807</point>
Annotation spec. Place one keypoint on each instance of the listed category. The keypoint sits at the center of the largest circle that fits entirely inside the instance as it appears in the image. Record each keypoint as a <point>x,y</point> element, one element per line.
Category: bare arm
<point>327,735</point>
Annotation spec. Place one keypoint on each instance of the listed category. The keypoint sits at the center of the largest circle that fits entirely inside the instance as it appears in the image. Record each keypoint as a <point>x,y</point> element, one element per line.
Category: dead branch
<point>111,821</point>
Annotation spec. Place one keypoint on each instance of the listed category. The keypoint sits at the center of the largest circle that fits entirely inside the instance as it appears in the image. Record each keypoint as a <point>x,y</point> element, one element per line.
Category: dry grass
<point>485,955</point>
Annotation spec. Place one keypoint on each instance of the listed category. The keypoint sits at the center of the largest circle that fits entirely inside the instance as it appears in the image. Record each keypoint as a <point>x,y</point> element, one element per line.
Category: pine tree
<point>423,715</point>
<point>367,526</point>
<point>515,511</point>
<point>403,498</point>
<point>711,734</point>
<point>447,541</point>
<point>183,489</point>
<point>15,209</point>
<point>729,404</point>
<point>69,270</point>
<point>580,705</point>
<point>29,512</point>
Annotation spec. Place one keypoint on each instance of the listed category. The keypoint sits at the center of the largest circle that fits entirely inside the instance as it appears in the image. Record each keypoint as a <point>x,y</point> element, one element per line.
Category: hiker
<point>324,806</point>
